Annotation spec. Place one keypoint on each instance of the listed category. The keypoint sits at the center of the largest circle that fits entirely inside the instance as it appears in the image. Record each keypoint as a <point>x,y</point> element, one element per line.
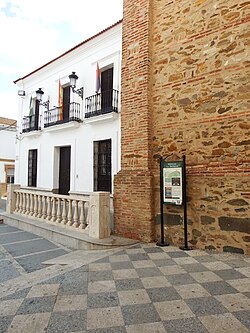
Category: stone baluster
<point>44,209</point>
<point>64,212</point>
<point>70,213</point>
<point>59,211</point>
<point>82,218</point>
<point>49,208</point>
<point>24,203</point>
<point>75,219</point>
<point>35,205</point>
<point>27,204</point>
<point>20,203</point>
<point>54,209</point>
<point>17,202</point>
<point>39,206</point>
<point>31,204</point>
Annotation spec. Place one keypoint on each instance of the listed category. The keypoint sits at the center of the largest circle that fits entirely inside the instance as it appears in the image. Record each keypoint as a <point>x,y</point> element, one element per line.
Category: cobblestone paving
<point>143,288</point>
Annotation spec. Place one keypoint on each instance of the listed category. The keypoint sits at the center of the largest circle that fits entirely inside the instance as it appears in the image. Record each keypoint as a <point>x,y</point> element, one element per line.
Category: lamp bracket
<point>79,91</point>
<point>45,104</point>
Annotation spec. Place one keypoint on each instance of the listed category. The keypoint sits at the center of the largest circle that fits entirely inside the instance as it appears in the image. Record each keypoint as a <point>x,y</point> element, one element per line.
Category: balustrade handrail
<point>52,195</point>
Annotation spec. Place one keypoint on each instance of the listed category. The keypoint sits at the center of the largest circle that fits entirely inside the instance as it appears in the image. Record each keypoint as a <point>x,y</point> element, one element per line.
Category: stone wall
<point>201,109</point>
<point>198,86</point>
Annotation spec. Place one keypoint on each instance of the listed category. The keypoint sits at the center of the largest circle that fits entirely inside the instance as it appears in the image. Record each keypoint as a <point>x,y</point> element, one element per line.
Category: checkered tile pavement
<point>144,289</point>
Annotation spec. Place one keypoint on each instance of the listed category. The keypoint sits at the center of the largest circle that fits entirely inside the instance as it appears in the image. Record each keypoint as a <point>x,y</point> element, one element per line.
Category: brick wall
<point>133,197</point>
<point>198,104</point>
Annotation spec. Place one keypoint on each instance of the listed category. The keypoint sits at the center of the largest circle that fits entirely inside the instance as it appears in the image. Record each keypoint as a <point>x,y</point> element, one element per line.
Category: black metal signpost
<point>162,241</point>
<point>185,247</point>
<point>173,191</point>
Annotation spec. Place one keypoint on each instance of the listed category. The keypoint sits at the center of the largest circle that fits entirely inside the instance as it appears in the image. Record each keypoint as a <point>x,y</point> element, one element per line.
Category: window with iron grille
<point>102,165</point>
<point>32,167</point>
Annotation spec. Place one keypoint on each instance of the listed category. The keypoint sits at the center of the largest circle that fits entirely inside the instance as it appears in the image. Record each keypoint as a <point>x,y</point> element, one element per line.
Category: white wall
<point>106,49</point>
<point>7,150</point>
<point>7,144</point>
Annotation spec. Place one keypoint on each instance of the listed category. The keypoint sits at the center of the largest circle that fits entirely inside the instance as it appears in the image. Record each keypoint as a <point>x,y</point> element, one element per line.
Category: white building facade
<point>7,152</point>
<point>69,142</point>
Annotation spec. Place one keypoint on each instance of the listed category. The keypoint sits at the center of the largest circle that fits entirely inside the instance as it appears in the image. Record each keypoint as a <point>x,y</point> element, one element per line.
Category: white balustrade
<point>52,208</point>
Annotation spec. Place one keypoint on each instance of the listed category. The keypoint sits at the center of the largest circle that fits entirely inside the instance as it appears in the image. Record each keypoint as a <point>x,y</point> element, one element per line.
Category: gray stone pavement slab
<point>67,321</point>
<point>103,300</point>
<point>219,288</point>
<point>137,289</point>
<point>17,237</point>
<point>33,246</point>
<point>5,229</point>
<point>140,313</point>
<point>8,270</point>
<point>36,305</point>
<point>5,323</point>
<point>186,325</point>
<point>243,317</point>
<point>33,262</point>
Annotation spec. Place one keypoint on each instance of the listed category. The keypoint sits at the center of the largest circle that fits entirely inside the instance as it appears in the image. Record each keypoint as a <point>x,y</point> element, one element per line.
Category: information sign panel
<point>173,182</point>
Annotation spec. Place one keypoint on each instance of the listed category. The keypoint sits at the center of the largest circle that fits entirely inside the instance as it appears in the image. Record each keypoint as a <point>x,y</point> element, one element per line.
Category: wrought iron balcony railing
<point>101,103</point>
<point>60,115</point>
<point>31,123</point>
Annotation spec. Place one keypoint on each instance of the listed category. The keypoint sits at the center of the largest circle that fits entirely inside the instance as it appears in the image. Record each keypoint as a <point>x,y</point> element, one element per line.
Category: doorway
<point>64,170</point>
<point>107,89</point>
<point>66,103</point>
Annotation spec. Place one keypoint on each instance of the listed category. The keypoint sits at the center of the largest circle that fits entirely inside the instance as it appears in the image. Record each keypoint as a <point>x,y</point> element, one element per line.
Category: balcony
<point>31,123</point>
<point>101,103</point>
<point>60,115</point>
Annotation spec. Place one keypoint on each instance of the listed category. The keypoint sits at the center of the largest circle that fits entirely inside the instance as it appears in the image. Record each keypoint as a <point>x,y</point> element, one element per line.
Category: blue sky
<point>34,32</point>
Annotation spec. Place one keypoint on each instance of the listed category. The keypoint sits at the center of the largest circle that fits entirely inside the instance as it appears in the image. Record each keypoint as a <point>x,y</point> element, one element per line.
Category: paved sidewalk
<point>143,288</point>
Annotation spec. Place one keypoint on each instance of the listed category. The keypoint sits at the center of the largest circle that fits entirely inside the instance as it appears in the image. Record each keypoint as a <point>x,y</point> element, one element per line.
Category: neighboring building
<point>7,152</point>
<point>185,90</point>
<point>70,141</point>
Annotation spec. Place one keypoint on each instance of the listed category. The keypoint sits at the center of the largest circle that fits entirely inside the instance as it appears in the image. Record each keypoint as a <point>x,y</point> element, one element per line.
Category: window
<point>34,117</point>
<point>9,174</point>
<point>10,179</point>
<point>32,167</point>
<point>102,165</point>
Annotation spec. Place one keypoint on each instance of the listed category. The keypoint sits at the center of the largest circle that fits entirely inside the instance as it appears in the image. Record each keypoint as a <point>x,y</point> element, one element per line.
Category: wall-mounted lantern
<point>72,81</point>
<point>39,97</point>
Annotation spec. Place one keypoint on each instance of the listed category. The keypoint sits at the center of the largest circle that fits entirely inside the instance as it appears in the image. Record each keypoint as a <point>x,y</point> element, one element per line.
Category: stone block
<point>232,249</point>
<point>99,215</point>
<point>207,220</point>
<point>234,224</point>
<point>169,219</point>
<point>11,198</point>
